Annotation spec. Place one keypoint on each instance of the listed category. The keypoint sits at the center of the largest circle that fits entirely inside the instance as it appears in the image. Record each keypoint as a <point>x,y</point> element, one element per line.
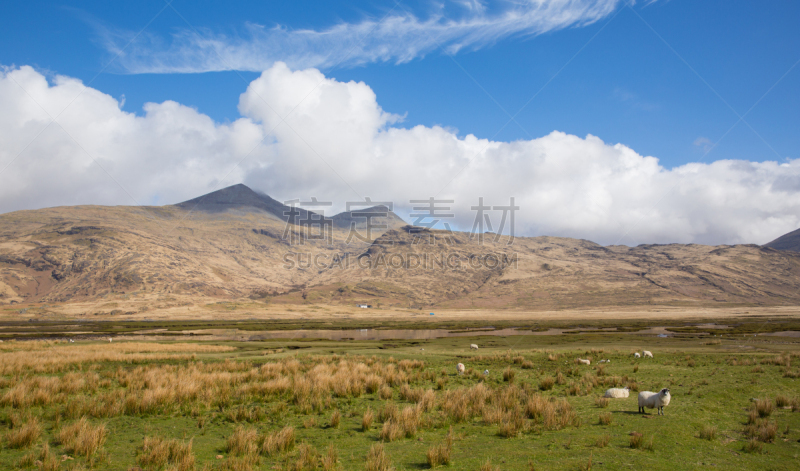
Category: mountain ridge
<point>146,257</point>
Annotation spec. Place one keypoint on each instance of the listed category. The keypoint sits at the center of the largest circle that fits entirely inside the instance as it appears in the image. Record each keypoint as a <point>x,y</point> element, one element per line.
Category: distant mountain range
<point>233,244</point>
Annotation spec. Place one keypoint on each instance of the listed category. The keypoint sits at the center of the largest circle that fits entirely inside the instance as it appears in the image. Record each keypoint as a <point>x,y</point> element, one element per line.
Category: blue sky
<point>625,86</point>
<point>668,78</point>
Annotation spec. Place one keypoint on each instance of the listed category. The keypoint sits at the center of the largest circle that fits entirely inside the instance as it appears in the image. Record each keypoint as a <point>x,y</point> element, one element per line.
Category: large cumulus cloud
<point>302,134</point>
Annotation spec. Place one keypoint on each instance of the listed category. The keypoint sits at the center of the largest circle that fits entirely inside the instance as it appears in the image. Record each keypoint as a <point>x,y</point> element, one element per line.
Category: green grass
<point>714,394</point>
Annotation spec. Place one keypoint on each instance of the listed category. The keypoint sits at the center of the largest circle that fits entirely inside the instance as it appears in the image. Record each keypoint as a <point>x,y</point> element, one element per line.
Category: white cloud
<point>565,185</point>
<point>398,37</point>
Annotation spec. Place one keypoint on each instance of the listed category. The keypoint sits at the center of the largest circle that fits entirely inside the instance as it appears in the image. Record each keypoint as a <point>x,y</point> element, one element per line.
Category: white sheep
<point>636,355</point>
<point>485,372</point>
<point>617,393</point>
<point>647,354</point>
<point>605,361</point>
<point>460,368</point>
<point>109,340</point>
<point>584,362</point>
<point>653,400</point>
<point>473,346</point>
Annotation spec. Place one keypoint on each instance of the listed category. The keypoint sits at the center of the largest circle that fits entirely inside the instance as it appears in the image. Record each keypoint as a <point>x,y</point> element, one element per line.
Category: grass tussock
<point>601,402</point>
<point>336,418</point>
<point>277,442</point>
<point>782,401</point>
<point>24,435</point>
<point>82,438</point>
<point>330,461</point>
<point>708,432</point>
<point>606,418</point>
<point>639,441</point>
<point>602,441</point>
<point>307,458</point>
<point>377,459</point>
<point>243,441</point>
<point>547,383</point>
<point>367,419</point>
<point>509,374</point>
<point>762,430</point>
<point>753,446</point>
<point>763,407</point>
<point>158,453</point>
<point>551,414</point>
<point>487,466</point>
<point>439,455</point>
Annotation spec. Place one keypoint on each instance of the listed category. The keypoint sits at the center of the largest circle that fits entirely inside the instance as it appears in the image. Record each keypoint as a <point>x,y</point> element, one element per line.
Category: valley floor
<point>523,403</point>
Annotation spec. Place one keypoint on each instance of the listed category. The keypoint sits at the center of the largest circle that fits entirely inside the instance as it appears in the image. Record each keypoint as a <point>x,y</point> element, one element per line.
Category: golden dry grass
<point>50,357</point>
<point>158,453</point>
<point>277,442</point>
<point>82,438</point>
<point>24,435</point>
<point>377,460</point>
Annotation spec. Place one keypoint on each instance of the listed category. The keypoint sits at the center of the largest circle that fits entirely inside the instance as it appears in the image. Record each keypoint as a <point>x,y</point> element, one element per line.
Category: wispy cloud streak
<point>398,38</point>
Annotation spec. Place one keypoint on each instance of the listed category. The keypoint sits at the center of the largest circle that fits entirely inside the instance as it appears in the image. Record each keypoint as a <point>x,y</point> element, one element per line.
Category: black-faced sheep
<point>653,400</point>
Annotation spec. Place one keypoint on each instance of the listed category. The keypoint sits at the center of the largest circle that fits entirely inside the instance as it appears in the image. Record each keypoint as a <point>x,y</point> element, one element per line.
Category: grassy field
<point>353,405</point>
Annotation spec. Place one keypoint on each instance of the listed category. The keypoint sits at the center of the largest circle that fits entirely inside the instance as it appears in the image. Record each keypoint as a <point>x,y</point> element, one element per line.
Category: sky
<point>623,123</point>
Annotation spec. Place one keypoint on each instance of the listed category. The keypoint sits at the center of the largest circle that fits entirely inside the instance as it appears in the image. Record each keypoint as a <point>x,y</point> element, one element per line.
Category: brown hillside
<point>236,249</point>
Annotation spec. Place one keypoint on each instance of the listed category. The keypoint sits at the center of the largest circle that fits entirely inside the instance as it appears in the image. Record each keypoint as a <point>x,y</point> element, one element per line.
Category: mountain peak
<point>234,196</point>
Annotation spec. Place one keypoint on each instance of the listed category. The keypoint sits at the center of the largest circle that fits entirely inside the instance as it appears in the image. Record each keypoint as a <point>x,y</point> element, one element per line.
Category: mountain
<point>243,198</point>
<point>236,243</point>
<point>790,241</point>
<point>235,197</point>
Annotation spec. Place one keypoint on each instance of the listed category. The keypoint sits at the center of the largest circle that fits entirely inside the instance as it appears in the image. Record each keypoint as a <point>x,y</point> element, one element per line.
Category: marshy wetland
<point>301,404</point>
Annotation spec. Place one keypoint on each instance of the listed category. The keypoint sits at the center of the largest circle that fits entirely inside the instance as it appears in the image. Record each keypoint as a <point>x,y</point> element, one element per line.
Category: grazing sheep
<point>460,368</point>
<point>653,400</point>
<point>473,346</point>
<point>584,362</point>
<point>636,355</point>
<point>617,393</point>
<point>109,340</point>
<point>605,361</point>
<point>485,372</point>
<point>647,354</point>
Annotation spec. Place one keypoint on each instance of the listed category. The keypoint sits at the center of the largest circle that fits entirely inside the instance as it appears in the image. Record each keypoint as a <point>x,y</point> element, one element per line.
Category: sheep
<point>653,400</point>
<point>617,393</point>
<point>605,361</point>
<point>109,340</point>
<point>460,368</point>
<point>636,355</point>
<point>584,362</point>
<point>647,354</point>
<point>485,372</point>
<point>472,346</point>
